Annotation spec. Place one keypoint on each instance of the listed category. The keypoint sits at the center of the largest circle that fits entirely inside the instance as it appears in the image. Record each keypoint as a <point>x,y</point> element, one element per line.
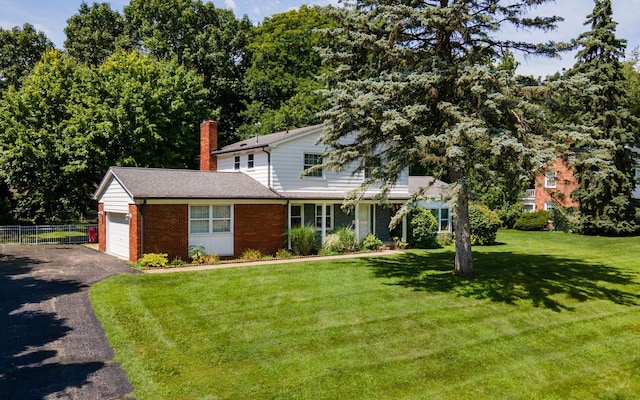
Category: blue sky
<point>50,16</point>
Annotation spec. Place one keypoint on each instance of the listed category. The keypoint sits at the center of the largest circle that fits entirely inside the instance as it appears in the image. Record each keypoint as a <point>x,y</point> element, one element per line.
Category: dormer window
<point>312,160</point>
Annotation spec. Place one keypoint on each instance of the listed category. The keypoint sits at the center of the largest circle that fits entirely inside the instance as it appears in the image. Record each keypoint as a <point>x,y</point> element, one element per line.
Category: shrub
<point>424,228</point>
<point>372,243</point>
<point>211,259</point>
<point>251,255</point>
<point>283,254</point>
<point>197,254</point>
<point>509,214</point>
<point>564,219</point>
<point>484,224</point>
<point>535,221</point>
<point>342,240</point>
<point>446,238</point>
<point>303,240</point>
<point>399,243</point>
<point>154,260</point>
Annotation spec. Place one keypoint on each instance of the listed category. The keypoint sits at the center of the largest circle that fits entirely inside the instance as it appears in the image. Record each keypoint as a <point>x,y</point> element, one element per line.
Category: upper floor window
<point>550,179</point>
<point>236,163</point>
<point>549,205</point>
<point>250,161</point>
<point>637,170</point>
<point>311,160</point>
<point>210,219</point>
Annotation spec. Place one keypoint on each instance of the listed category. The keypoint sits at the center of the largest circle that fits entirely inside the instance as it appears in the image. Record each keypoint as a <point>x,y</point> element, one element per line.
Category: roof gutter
<point>268,167</point>
<point>220,152</point>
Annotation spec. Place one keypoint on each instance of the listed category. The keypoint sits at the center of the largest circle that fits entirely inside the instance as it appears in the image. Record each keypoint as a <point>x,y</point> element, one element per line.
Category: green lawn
<point>548,316</point>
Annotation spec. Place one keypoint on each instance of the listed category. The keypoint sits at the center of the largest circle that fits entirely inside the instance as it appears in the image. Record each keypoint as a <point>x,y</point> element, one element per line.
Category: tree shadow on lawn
<point>508,278</point>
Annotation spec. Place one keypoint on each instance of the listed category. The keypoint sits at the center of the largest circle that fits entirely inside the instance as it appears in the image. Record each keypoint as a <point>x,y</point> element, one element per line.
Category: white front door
<point>363,221</point>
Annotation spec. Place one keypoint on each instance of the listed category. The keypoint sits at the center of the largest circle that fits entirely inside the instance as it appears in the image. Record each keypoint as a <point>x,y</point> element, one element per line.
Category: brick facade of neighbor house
<point>561,194</point>
<point>102,228</point>
<point>260,227</point>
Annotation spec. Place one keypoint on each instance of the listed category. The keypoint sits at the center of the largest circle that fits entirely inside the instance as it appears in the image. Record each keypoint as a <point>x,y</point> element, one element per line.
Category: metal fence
<point>49,234</point>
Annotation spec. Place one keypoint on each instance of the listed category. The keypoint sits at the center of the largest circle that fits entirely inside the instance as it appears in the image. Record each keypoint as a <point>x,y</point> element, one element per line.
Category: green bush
<point>424,228</point>
<point>372,243</point>
<point>535,221</point>
<point>197,254</point>
<point>303,240</point>
<point>342,240</point>
<point>446,238</point>
<point>484,224</point>
<point>251,255</point>
<point>154,260</point>
<point>509,214</point>
<point>283,254</point>
<point>564,219</point>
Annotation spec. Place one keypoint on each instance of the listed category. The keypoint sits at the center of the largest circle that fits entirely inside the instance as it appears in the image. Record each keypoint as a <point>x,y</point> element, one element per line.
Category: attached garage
<point>117,234</point>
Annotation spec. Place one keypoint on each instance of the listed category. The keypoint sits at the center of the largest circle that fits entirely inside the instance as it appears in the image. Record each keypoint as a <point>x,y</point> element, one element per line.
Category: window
<point>371,166</point>
<point>311,160</point>
<point>550,179</point>
<point>210,219</point>
<point>549,205</point>
<point>236,163</point>
<point>444,219</point>
<point>296,215</point>
<point>637,176</point>
<point>328,218</point>
<point>250,163</point>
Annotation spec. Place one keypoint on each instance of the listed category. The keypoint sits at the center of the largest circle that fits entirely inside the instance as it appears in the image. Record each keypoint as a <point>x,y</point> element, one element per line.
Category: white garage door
<point>118,235</point>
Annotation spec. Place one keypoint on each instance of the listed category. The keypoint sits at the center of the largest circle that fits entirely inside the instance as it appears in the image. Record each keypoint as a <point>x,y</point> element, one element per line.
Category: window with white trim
<point>328,216</point>
<point>549,205</point>
<point>311,160</point>
<point>210,219</point>
<point>637,176</point>
<point>550,180</point>
<point>250,161</point>
<point>236,163</point>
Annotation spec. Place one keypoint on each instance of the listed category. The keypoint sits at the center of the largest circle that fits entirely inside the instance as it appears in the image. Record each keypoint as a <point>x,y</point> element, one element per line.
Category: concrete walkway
<point>270,262</point>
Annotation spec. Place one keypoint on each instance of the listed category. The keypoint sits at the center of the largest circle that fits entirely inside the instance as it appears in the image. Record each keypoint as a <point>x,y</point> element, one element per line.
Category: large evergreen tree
<point>599,148</point>
<point>416,82</point>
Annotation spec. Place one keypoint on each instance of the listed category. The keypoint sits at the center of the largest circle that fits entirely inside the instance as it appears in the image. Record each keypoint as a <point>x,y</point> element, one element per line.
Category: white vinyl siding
<point>259,172</point>
<point>115,198</point>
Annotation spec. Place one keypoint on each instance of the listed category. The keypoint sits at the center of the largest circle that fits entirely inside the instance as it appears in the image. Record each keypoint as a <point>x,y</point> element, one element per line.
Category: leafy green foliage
<point>68,124</point>
<point>200,37</point>
<point>154,260</point>
<point>93,33</point>
<point>197,254</point>
<point>372,243</point>
<point>303,240</point>
<point>535,221</point>
<point>281,82</point>
<point>424,228</point>
<point>342,240</point>
<point>20,51</point>
<point>484,224</point>
<point>418,84</point>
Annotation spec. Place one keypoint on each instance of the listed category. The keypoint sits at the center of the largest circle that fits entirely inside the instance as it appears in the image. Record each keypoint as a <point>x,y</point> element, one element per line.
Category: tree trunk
<point>464,258</point>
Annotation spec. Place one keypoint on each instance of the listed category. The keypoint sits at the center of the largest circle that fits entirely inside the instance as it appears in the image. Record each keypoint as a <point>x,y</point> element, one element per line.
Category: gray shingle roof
<point>435,188</point>
<point>160,183</point>
<point>265,140</point>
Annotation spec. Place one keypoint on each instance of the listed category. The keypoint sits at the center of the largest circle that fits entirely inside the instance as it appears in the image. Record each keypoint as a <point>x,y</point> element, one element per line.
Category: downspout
<point>268,167</point>
<point>144,203</point>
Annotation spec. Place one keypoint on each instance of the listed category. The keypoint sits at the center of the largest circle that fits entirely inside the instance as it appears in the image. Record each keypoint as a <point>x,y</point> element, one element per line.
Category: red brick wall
<point>259,227</point>
<point>166,230</point>
<point>102,228</point>
<point>134,233</point>
<point>565,184</point>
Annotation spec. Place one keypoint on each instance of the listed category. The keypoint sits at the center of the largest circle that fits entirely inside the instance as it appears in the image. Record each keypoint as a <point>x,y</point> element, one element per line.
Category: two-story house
<point>245,195</point>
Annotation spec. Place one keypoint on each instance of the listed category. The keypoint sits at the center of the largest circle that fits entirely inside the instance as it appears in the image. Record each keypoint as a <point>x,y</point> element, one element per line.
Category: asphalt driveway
<point>51,343</point>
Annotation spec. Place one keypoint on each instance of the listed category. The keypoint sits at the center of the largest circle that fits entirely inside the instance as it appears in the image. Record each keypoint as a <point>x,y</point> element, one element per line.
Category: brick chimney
<point>208,142</point>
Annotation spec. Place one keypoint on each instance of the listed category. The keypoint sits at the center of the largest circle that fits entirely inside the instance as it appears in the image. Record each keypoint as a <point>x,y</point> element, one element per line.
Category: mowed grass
<point>548,316</point>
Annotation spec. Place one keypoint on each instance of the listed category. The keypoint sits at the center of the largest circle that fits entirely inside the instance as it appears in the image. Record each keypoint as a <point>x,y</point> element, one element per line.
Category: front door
<point>364,227</point>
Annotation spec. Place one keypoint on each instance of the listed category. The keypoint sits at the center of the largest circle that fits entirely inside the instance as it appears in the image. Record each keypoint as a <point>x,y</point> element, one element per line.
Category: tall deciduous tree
<point>282,80</point>
<point>20,51</point>
<point>599,148</point>
<point>93,33</point>
<point>416,83</point>
<point>201,37</point>
<point>68,123</point>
